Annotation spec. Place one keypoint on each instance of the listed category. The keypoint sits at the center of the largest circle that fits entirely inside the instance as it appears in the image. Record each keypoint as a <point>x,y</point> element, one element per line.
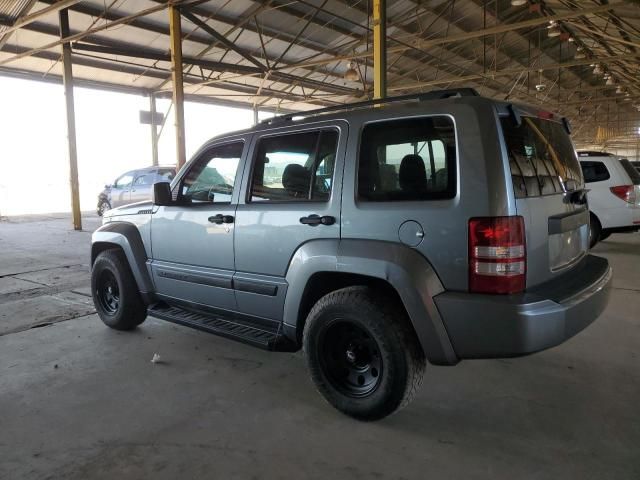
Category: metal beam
<point>102,26</point>
<point>511,72</point>
<point>379,48</point>
<point>71,121</point>
<point>154,129</point>
<point>156,27</point>
<point>151,54</point>
<point>58,6</point>
<point>504,28</point>
<point>178,85</point>
<point>223,40</point>
<point>4,37</point>
<point>54,79</point>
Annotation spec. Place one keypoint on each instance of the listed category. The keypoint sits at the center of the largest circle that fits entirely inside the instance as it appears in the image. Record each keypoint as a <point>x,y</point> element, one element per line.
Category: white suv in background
<point>614,194</point>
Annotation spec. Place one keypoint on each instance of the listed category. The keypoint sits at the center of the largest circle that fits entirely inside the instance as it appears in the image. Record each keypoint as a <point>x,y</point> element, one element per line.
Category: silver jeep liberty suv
<point>441,226</point>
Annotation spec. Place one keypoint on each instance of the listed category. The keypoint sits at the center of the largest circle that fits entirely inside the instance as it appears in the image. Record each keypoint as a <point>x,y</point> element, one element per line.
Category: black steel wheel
<point>362,352</point>
<point>115,292</point>
<point>350,358</point>
<point>107,292</point>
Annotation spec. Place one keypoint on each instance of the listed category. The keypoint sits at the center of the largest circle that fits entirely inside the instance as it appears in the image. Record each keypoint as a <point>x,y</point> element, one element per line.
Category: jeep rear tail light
<point>625,192</point>
<point>497,255</point>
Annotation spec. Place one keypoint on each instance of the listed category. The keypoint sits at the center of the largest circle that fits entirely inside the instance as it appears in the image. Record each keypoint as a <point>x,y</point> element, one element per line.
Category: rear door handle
<point>314,220</point>
<point>219,219</point>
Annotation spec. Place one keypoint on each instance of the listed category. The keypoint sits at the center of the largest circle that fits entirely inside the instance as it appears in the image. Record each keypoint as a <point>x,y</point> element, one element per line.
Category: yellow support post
<point>67,78</point>
<point>379,49</point>
<point>175,32</point>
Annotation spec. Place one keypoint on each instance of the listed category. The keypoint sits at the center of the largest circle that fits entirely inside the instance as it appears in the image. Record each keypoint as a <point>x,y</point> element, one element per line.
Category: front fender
<point>406,270</point>
<point>126,236</point>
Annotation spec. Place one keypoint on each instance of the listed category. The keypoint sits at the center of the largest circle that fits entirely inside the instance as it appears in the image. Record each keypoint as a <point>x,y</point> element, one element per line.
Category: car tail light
<point>625,192</point>
<point>497,255</point>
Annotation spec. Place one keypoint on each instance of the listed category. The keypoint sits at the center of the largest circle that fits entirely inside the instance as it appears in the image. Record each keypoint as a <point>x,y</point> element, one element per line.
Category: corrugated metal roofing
<point>305,48</point>
<point>11,10</point>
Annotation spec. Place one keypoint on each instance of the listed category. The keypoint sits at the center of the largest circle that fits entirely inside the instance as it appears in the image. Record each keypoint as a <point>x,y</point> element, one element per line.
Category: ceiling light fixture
<point>554,31</point>
<point>597,70</point>
<point>518,3</point>
<point>352,74</point>
<point>580,53</point>
<point>610,81</point>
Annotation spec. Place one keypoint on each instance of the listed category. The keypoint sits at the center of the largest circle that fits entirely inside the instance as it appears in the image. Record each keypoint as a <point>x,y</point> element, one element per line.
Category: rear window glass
<point>406,160</point>
<point>541,157</point>
<point>594,171</point>
<point>634,175</point>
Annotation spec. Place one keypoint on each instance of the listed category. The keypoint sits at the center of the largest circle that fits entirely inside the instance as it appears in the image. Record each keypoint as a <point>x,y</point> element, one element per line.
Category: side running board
<point>258,336</point>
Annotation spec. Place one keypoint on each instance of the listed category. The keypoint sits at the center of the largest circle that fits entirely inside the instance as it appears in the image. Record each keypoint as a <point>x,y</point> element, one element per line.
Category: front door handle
<point>219,219</point>
<point>314,220</point>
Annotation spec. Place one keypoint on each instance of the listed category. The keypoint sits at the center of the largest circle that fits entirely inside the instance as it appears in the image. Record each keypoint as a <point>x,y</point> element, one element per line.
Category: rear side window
<point>541,157</point>
<point>294,167</point>
<point>634,175</point>
<point>408,160</point>
<point>594,171</point>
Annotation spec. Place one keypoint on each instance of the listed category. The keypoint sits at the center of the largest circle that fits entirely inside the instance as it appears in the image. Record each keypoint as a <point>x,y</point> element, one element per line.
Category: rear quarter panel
<point>482,189</point>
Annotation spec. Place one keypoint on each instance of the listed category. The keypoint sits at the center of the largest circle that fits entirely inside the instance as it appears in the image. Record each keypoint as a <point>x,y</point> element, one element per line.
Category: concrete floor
<point>78,400</point>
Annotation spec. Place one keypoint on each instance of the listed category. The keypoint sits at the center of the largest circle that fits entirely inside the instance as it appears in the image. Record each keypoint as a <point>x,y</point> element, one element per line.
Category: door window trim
<point>361,203</point>
<point>266,135</point>
<point>204,150</point>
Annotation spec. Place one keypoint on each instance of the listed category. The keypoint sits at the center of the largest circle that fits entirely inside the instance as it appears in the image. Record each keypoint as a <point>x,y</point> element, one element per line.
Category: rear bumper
<point>493,326</point>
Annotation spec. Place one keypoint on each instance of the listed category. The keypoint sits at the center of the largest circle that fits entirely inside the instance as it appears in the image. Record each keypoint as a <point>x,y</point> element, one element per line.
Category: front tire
<point>362,353</point>
<point>115,292</point>
<point>103,206</point>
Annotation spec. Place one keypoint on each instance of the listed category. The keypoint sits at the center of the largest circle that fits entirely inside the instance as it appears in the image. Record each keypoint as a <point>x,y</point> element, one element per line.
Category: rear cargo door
<point>549,190</point>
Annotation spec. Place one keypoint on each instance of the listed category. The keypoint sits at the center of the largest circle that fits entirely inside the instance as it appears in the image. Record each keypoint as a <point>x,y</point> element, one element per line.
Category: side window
<point>404,160</point>
<point>294,167</point>
<point>594,171</point>
<point>124,181</point>
<point>166,174</point>
<point>212,176</point>
<point>145,179</point>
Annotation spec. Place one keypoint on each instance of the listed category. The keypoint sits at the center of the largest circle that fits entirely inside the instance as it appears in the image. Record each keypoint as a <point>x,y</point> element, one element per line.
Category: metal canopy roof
<point>293,55</point>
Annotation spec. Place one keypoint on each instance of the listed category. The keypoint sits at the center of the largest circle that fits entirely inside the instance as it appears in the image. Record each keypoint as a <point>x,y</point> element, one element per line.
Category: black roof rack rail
<point>420,97</point>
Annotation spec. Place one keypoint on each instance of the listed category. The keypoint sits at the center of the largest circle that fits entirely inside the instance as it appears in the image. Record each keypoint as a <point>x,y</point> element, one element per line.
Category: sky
<point>34,166</point>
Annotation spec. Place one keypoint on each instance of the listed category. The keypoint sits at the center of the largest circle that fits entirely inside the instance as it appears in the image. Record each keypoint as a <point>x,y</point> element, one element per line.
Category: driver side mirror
<point>162,194</point>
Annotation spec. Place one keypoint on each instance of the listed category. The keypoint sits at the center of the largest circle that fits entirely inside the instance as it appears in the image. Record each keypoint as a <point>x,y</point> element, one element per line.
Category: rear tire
<point>595,230</point>
<point>362,353</point>
<point>115,292</point>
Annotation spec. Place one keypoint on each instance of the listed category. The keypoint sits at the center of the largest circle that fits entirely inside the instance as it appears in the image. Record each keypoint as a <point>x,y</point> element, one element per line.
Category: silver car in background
<point>133,186</point>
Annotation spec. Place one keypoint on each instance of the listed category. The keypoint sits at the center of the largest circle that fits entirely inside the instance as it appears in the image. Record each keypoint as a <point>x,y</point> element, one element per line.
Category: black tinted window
<point>413,159</point>
<point>634,175</point>
<point>594,171</point>
<point>294,167</point>
<point>541,156</point>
